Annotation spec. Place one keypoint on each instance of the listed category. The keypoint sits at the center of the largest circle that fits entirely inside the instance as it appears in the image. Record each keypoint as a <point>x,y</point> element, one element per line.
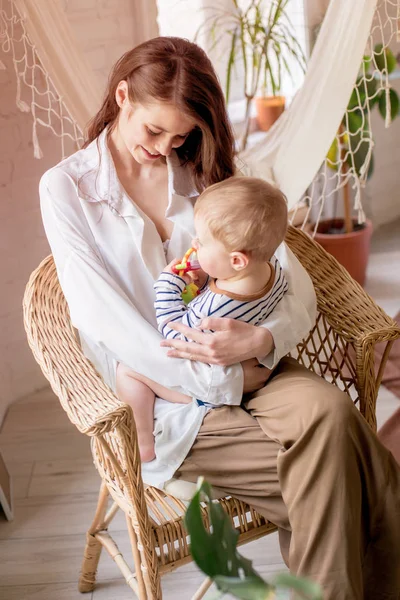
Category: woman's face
<point>150,132</point>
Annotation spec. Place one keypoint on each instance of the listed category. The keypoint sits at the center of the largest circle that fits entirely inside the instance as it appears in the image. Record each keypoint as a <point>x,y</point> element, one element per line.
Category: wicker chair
<point>340,348</point>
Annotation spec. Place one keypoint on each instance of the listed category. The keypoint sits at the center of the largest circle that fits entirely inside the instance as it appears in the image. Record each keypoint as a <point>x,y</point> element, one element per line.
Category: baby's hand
<point>199,277</point>
<point>169,269</point>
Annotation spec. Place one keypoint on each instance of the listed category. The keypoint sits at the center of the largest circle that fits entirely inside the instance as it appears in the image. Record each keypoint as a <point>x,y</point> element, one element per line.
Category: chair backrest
<point>349,324</point>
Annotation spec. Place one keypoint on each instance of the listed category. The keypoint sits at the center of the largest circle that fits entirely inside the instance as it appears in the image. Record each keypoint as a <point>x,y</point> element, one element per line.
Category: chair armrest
<point>350,312</point>
<point>89,403</point>
<point>346,305</point>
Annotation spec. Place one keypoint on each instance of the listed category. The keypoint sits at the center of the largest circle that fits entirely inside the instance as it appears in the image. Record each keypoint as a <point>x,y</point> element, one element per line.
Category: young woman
<point>115,214</point>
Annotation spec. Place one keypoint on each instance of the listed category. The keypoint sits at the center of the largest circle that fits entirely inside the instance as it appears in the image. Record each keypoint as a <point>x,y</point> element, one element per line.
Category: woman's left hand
<point>232,342</point>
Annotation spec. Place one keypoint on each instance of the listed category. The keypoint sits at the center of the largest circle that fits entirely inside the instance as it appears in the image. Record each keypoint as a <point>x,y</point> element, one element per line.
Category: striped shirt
<point>213,302</point>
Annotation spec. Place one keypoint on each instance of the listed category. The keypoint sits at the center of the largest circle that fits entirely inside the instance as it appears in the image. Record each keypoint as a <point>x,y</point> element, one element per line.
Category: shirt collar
<point>98,182</point>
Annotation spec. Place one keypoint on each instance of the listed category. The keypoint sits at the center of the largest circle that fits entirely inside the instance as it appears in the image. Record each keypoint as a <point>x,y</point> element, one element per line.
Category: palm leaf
<point>231,62</point>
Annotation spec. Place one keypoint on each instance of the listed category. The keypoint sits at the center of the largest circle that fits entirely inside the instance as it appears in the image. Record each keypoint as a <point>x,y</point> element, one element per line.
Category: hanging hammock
<point>294,152</point>
<point>63,95</point>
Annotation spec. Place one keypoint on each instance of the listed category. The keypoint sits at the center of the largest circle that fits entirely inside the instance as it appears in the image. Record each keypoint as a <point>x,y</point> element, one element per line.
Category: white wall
<point>104,30</point>
<point>382,198</point>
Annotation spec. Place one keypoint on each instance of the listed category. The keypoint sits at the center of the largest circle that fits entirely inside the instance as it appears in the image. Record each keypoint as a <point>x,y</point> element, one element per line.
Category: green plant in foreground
<point>215,553</point>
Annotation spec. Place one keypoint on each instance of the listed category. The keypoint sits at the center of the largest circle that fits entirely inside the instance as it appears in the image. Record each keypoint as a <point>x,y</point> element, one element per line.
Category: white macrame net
<point>35,90</point>
<point>345,171</point>
<point>63,95</point>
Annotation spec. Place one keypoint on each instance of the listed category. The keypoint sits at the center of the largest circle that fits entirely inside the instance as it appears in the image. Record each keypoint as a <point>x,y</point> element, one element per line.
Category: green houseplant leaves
<point>355,124</point>
<point>214,550</point>
<point>262,41</point>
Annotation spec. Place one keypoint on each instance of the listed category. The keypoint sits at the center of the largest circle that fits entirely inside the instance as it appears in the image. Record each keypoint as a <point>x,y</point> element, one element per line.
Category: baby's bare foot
<point>147,453</point>
<point>146,446</point>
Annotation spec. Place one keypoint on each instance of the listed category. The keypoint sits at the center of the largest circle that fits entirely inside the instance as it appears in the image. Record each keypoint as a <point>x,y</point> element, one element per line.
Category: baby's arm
<point>169,304</point>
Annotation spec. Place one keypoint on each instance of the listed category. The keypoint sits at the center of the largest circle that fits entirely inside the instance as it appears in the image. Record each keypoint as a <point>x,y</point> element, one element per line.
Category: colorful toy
<point>188,264</point>
<point>190,292</point>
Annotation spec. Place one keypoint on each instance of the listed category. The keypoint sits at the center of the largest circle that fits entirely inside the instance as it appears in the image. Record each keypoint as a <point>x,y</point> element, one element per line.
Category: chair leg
<point>207,583</point>
<point>136,560</point>
<point>93,548</point>
<point>149,591</point>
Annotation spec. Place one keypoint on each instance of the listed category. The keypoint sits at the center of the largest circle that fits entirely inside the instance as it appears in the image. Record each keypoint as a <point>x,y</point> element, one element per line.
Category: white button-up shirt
<point>108,255</point>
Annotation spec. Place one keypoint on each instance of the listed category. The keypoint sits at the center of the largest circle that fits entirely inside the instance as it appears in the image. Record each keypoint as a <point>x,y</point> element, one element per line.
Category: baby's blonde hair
<point>245,214</point>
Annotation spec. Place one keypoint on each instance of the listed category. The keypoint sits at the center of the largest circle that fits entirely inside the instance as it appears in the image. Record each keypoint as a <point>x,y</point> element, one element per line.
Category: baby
<point>239,223</point>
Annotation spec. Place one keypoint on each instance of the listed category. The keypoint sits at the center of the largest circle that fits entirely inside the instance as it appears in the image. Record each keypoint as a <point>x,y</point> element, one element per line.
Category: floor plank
<point>64,477</point>
<point>54,516</point>
<point>45,445</point>
<point>45,560</point>
<point>53,591</point>
<point>21,474</point>
<point>39,412</point>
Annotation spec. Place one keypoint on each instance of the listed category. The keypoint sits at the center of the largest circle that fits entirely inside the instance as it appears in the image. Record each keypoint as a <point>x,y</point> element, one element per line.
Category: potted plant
<point>262,40</point>
<point>215,553</point>
<point>343,237</point>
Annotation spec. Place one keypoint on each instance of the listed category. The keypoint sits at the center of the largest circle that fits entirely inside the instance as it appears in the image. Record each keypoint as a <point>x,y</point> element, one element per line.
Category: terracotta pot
<point>269,109</point>
<point>350,249</point>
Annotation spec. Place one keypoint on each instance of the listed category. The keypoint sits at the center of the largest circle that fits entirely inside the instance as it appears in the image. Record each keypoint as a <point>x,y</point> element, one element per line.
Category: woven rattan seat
<point>340,348</point>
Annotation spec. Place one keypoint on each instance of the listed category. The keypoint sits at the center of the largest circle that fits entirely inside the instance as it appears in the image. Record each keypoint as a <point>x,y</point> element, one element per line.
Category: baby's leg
<point>163,392</point>
<point>141,398</point>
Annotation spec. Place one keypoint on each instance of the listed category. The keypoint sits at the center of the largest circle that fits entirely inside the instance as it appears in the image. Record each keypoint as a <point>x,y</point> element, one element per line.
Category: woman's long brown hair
<point>176,71</point>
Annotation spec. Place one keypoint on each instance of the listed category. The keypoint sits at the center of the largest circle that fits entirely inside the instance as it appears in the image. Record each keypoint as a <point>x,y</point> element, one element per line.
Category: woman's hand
<point>232,342</point>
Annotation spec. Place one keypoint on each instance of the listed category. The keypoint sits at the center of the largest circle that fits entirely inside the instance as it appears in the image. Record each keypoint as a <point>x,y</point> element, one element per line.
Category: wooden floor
<point>56,485</point>
<point>41,550</point>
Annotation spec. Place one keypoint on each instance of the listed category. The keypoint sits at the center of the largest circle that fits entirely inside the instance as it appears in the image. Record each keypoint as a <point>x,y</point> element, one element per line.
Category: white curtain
<point>48,29</point>
<point>292,152</point>
<point>295,148</point>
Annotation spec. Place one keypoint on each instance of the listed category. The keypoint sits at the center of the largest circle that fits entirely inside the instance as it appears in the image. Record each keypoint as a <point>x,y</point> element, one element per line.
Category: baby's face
<point>214,259</point>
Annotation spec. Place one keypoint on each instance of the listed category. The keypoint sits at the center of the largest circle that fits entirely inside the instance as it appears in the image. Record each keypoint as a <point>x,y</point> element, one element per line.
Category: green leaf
<point>394,104</point>
<point>384,58</point>
<point>359,145</point>
<point>332,156</point>
<point>372,86</point>
<point>214,550</point>
<point>367,63</point>
<point>355,120</point>
<point>363,90</point>
<point>307,588</point>
<point>213,554</point>
<point>251,588</point>
<point>231,62</point>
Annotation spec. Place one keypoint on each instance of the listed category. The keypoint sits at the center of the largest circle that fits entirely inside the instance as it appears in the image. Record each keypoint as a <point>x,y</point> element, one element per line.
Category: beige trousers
<point>304,457</point>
